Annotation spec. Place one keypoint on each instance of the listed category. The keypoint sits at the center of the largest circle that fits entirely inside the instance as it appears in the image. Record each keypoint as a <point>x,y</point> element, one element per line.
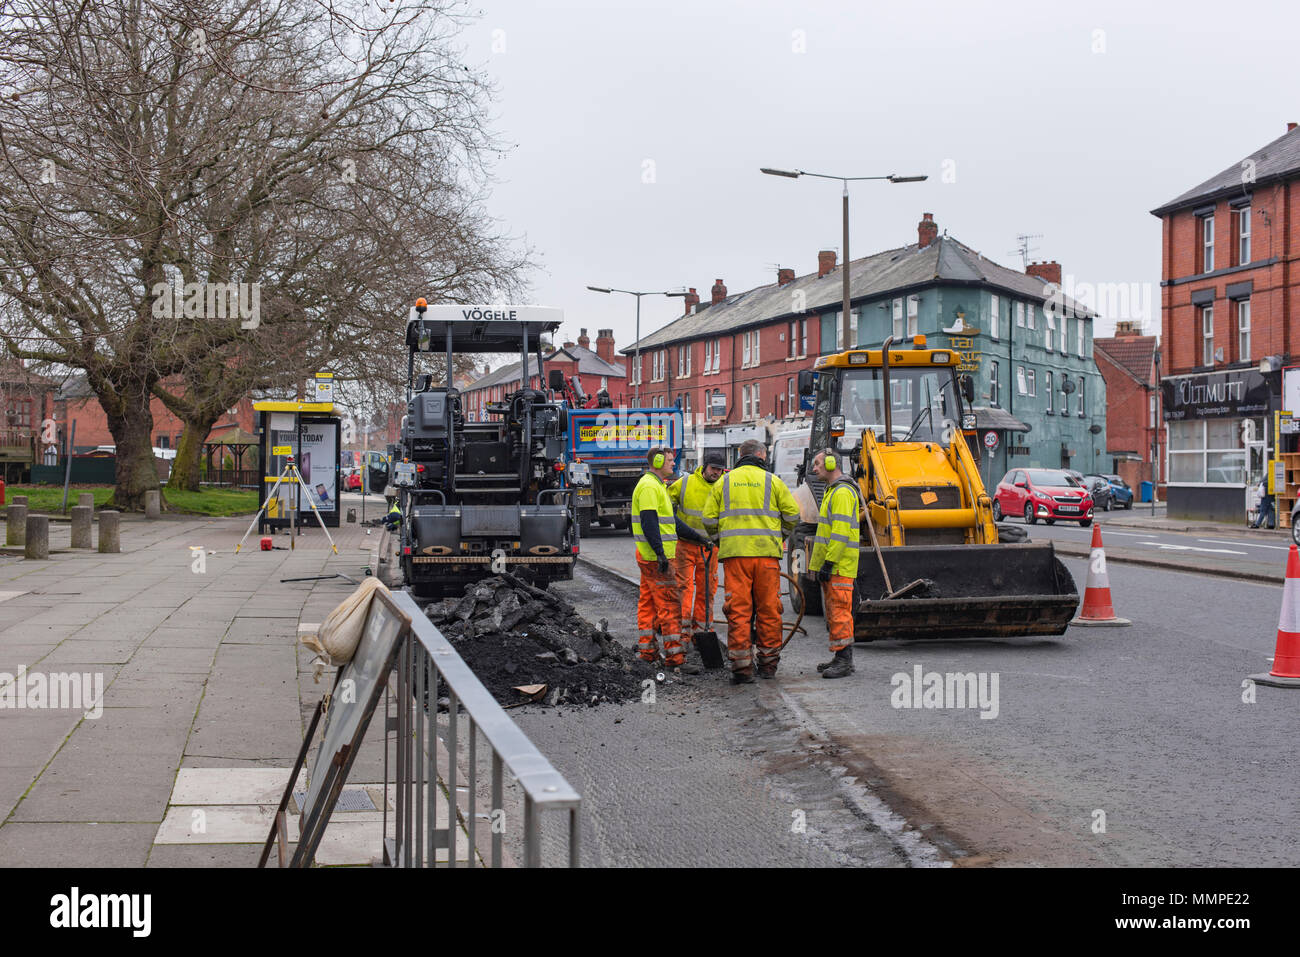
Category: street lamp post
<point>636,401</point>
<point>892,177</point>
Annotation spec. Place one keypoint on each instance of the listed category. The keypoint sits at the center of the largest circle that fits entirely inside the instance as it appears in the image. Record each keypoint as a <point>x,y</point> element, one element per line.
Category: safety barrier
<point>428,668</point>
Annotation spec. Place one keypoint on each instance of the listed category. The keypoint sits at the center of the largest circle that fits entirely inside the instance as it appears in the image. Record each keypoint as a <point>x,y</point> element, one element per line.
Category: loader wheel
<point>1030,518</point>
<point>997,511</point>
<point>584,523</point>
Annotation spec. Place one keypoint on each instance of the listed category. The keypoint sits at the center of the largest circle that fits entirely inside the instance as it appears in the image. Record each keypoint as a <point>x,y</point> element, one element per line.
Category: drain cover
<point>350,799</point>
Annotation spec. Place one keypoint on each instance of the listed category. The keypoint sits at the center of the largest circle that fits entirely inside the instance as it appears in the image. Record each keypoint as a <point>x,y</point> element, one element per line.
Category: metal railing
<point>428,668</point>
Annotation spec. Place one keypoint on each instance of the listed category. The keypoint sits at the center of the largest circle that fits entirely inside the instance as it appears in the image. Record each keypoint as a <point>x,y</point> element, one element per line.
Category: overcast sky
<point>636,131</point>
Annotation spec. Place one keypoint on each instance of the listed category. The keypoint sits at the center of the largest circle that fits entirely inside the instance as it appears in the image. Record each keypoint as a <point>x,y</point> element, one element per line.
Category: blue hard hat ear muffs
<point>658,461</point>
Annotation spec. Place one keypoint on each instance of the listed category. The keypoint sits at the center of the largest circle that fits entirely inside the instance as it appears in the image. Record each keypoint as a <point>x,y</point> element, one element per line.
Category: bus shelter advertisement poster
<point>318,458</point>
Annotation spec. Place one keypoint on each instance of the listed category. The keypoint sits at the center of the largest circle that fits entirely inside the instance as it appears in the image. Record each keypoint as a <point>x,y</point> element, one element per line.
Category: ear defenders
<point>658,460</point>
<point>830,463</point>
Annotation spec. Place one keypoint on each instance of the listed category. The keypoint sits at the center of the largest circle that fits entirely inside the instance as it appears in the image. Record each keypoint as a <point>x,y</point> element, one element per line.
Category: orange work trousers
<point>753,590</point>
<point>659,614</point>
<point>837,602</point>
<point>690,579</point>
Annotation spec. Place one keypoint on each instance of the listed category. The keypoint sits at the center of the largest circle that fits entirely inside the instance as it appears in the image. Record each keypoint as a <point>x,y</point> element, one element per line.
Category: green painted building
<point>1040,399</point>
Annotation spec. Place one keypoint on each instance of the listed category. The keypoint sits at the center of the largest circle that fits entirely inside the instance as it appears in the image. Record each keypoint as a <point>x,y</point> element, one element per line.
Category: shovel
<point>707,641</point>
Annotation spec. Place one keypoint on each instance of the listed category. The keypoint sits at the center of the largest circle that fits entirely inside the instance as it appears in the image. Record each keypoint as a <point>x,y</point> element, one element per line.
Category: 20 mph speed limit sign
<point>990,440</point>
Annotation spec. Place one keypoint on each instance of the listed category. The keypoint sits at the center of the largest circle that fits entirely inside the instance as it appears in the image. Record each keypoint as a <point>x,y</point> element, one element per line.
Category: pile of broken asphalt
<point>513,635</point>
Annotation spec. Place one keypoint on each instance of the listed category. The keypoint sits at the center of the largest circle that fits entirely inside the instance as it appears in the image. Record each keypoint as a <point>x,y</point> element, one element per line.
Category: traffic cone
<point>1286,658</point>
<point>1097,608</point>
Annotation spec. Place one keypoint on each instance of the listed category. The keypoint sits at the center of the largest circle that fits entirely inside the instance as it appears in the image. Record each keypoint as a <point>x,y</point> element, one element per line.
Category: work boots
<point>841,666</point>
<point>742,678</point>
<point>693,664</point>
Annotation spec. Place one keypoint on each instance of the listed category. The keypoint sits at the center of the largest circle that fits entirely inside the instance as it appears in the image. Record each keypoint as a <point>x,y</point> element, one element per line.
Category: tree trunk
<point>131,423</point>
<point>189,453</point>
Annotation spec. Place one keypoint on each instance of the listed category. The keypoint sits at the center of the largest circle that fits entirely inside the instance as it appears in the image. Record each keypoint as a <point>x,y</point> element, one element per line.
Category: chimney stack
<point>1048,272</point>
<point>1127,327</point>
<point>825,262</point>
<point>692,300</point>
<point>568,345</point>
<point>719,292</point>
<point>1290,127</point>
<point>583,340</point>
<point>927,230</point>
<point>784,276</point>
<point>605,344</point>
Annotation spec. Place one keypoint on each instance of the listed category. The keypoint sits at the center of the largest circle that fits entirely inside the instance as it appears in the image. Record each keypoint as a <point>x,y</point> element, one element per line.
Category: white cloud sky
<point>1045,135</point>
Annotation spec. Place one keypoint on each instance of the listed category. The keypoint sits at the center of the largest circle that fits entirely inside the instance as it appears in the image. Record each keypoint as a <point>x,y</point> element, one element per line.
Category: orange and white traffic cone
<point>1286,659</point>
<point>1097,608</point>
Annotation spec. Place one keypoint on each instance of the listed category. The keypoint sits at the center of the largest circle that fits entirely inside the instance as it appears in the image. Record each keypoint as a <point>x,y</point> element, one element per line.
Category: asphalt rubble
<point>513,634</point>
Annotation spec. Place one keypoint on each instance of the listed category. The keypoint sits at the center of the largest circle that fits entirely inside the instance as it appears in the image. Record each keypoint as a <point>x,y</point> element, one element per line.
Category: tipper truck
<point>612,443</point>
<point>931,564</point>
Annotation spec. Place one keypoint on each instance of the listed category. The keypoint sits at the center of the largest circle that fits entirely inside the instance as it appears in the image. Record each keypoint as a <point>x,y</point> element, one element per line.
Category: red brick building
<point>26,401</point>
<point>76,402</point>
<point>1128,364</point>
<point>597,370</point>
<point>1230,321</point>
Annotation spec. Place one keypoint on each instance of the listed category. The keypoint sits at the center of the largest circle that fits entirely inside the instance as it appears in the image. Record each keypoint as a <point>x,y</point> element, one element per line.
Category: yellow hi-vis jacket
<point>689,493</point>
<point>750,511</point>
<point>651,494</point>
<point>838,534</point>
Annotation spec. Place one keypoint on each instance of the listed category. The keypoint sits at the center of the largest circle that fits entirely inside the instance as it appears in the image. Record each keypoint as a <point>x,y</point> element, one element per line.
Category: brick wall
<point>92,422</point>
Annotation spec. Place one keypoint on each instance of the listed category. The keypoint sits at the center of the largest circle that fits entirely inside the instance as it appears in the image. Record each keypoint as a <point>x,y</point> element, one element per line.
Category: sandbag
<point>340,633</point>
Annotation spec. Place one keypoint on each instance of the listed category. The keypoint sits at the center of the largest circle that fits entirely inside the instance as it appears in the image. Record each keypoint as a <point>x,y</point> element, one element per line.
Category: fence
<point>427,665</point>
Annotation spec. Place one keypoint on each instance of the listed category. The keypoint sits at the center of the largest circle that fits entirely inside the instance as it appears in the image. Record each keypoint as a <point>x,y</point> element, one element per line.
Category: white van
<point>787,454</point>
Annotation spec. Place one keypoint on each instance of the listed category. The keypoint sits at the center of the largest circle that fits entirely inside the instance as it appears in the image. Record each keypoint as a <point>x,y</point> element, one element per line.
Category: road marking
<point>1109,531</point>
<point>1192,548</point>
<point>1215,541</point>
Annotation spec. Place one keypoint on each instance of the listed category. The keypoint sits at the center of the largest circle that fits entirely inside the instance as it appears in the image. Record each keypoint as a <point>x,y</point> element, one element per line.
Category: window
<point>1065,396</point>
<point>754,401</point>
<point>717,355</point>
<point>744,402</point>
<point>1065,339</point>
<point>791,400</point>
<point>1207,335</point>
<point>853,327</point>
<point>1243,235</point>
<point>993,316</point>
<point>164,441</point>
<point>1047,383</point>
<point>689,349</point>
<point>686,403</point>
<point>1020,314</point>
<point>793,347</point>
<point>604,382</point>
<point>1051,327</point>
<point>913,303</point>
<point>803,337</point>
<point>1020,379</point>
<point>1081,326</point>
<point>1029,315</point>
<point>993,382</point>
<point>1207,242</point>
<point>744,351</point>
<point>1208,451</point>
<point>898,319</point>
<point>757,334</point>
<point>1243,329</point>
<point>1083,404</point>
<point>681,361</point>
<point>1029,379</point>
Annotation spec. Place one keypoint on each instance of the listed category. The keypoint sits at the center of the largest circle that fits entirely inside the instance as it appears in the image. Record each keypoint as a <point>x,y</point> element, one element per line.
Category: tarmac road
<point>1142,729</point>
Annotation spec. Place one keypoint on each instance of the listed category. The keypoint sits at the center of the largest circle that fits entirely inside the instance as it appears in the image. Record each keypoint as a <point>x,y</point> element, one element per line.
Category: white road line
<point>1109,531</point>
<point>1192,548</point>
<point>1215,541</point>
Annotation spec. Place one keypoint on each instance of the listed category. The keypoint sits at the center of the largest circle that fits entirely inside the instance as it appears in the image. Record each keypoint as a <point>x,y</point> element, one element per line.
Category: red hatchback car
<point>1049,494</point>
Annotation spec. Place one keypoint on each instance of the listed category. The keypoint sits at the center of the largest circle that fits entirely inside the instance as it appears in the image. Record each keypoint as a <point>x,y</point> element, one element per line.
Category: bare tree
<point>201,199</point>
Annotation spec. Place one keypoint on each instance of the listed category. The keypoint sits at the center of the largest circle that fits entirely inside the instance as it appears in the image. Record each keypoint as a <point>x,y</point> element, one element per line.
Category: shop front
<point>1220,440</point>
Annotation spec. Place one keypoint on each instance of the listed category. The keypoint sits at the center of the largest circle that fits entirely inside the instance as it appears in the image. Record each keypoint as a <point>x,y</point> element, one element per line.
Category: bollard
<point>81,522</point>
<point>86,500</point>
<point>152,504</point>
<point>38,537</point>
<point>18,500</point>
<point>110,532</point>
<point>16,523</point>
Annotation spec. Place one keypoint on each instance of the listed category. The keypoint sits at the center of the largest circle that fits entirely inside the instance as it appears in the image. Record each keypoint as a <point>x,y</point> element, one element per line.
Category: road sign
<point>990,440</point>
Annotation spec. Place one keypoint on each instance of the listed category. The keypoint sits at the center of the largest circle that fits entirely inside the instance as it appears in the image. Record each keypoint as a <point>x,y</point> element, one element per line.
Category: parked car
<point>1099,488</point>
<point>352,480</point>
<point>1049,494</point>
<point>1121,491</point>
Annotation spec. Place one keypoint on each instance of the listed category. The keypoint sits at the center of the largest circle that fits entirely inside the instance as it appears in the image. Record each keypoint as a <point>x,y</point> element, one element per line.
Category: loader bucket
<point>977,591</point>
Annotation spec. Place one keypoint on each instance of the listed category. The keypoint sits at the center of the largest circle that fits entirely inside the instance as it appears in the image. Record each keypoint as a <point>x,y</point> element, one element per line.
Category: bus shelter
<point>310,432</point>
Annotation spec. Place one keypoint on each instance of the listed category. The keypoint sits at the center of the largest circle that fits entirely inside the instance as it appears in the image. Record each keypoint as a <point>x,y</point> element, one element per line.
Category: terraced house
<point>1041,401</point>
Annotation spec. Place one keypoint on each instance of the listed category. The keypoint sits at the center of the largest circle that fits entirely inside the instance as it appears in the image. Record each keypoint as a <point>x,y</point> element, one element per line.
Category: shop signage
<point>1214,395</point>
